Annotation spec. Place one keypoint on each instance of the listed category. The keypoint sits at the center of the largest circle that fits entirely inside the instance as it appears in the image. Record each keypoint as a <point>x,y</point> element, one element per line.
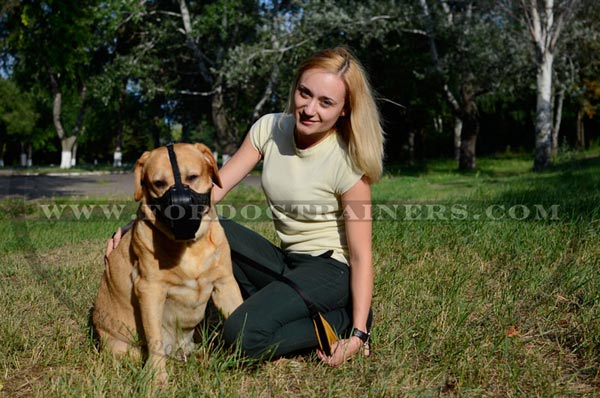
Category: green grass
<point>469,301</point>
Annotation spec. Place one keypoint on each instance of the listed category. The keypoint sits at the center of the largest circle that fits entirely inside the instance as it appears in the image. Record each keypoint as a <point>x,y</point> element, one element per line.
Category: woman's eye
<point>159,184</point>
<point>192,178</point>
<point>303,92</point>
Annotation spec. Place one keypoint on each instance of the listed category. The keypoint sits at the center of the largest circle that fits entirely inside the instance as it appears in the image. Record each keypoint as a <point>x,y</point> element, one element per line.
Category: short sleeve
<point>261,132</point>
<point>346,176</point>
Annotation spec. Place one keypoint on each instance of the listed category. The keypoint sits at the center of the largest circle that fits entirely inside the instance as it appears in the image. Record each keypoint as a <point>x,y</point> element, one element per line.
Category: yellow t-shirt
<point>304,186</point>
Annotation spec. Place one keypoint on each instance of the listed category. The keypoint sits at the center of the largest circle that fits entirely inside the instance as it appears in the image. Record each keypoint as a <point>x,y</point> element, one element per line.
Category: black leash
<point>312,308</point>
<point>317,318</point>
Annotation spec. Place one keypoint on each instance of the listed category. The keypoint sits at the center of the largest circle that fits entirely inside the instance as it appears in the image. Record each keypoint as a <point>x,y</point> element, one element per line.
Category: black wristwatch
<point>363,336</point>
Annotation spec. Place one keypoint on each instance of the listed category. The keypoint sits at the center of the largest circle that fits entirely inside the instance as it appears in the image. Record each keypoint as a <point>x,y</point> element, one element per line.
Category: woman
<point>319,159</point>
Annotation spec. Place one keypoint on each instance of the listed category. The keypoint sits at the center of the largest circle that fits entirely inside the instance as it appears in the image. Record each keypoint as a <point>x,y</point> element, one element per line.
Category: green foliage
<point>144,73</point>
<point>17,111</point>
<point>51,34</point>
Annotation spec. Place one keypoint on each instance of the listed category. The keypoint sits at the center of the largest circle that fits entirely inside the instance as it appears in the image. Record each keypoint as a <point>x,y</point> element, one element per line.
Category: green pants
<point>273,320</point>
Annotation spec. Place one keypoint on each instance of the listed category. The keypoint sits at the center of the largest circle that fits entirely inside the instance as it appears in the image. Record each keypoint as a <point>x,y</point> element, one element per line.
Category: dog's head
<point>155,177</point>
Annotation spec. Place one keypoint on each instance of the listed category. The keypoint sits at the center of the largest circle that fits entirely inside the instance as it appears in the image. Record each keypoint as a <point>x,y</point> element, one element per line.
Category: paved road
<point>85,185</point>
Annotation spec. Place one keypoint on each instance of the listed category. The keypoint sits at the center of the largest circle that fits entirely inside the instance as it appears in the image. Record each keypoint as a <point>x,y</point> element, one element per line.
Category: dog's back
<point>116,309</point>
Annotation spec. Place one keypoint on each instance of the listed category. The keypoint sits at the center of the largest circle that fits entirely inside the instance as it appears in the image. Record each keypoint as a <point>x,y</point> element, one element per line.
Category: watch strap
<point>363,336</point>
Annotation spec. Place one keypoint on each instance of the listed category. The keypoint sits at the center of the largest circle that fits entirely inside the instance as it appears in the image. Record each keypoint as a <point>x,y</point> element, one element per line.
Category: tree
<point>471,64</point>
<point>577,70</point>
<point>545,21</point>
<point>17,120</point>
<point>54,48</point>
<point>175,58</point>
<point>230,65</point>
<point>226,62</point>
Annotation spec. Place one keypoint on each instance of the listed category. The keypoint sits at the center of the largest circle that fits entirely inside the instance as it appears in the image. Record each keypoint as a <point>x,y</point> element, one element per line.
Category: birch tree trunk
<point>469,116</point>
<point>580,141</point>
<point>411,146</point>
<point>543,112</point>
<point>557,120</point>
<point>466,122</point>
<point>29,155</point>
<point>545,24</point>
<point>458,125</point>
<point>23,157</point>
<point>117,154</point>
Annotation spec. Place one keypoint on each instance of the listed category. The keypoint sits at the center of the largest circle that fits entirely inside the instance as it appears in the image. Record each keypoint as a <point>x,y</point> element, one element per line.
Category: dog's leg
<point>152,298</point>
<point>226,295</point>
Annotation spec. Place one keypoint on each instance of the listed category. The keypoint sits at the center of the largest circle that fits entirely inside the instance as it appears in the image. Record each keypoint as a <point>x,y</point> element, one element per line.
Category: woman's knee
<point>252,340</point>
<point>231,329</point>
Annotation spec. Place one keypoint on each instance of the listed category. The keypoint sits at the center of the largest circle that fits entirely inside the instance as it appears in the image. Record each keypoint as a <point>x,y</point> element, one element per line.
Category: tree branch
<point>564,15</point>
<point>415,32</point>
<point>188,92</point>
<point>435,57</point>
<point>429,29</point>
<point>447,12</point>
<point>385,99</point>
<point>202,60</point>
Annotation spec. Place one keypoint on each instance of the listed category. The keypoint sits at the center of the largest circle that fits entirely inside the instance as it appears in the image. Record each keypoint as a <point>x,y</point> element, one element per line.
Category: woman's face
<point>318,103</point>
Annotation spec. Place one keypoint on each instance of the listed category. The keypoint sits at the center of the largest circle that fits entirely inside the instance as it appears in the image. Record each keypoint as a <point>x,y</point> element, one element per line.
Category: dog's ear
<point>212,163</point>
<point>138,192</point>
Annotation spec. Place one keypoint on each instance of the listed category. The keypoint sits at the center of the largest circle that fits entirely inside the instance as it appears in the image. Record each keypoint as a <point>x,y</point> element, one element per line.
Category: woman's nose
<point>311,107</point>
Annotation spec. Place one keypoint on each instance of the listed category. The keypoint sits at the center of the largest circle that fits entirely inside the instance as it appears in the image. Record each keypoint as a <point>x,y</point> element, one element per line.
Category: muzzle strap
<point>174,165</point>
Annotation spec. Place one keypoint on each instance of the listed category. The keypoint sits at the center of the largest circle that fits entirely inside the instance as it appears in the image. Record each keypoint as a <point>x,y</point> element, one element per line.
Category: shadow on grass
<point>504,165</point>
<point>405,169</point>
<point>572,185</point>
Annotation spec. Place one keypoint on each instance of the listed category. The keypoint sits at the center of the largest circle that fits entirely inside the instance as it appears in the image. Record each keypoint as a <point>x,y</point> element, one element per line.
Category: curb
<point>8,173</point>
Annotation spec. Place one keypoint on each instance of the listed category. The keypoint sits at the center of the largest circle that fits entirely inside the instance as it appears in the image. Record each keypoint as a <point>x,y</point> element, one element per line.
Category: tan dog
<point>155,289</point>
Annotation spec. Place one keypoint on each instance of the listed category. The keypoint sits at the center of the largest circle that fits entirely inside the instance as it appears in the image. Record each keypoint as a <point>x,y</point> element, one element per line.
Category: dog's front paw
<point>156,370</point>
<point>160,379</point>
<point>157,378</point>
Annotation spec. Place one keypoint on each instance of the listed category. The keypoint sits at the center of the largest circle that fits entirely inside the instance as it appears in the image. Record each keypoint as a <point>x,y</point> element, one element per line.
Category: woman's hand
<point>343,350</point>
<point>113,242</point>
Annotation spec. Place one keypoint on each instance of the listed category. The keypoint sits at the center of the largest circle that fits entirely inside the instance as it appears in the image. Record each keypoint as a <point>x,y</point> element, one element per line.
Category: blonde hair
<point>360,127</point>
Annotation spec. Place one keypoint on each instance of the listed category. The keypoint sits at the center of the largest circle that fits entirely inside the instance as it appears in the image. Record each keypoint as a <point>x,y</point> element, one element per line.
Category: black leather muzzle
<point>180,207</point>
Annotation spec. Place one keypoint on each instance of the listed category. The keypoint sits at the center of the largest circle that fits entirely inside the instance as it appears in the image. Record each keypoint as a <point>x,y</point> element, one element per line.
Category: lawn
<point>487,285</point>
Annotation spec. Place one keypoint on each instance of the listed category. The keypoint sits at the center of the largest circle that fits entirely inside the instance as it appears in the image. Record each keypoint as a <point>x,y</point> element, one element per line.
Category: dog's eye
<point>159,184</point>
<point>191,178</point>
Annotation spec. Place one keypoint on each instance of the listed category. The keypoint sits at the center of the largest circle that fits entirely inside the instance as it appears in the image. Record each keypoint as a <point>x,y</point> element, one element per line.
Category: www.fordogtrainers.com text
<point>388,211</point>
